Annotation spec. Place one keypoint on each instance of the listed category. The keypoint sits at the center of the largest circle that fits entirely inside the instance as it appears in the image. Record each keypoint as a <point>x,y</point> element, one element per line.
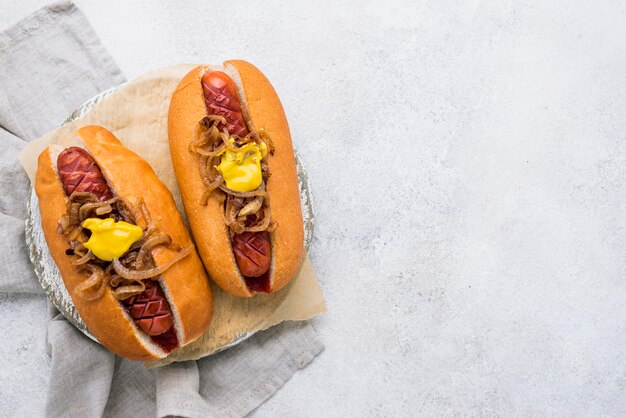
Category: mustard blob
<point>110,239</point>
<point>241,169</point>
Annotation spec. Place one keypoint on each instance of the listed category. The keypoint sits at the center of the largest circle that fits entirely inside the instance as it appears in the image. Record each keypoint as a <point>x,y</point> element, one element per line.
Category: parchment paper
<point>137,115</point>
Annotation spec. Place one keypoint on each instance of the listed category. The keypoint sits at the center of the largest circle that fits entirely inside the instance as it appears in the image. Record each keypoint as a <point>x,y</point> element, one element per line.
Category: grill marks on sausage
<point>80,173</point>
<point>252,253</point>
<point>150,310</point>
<point>220,98</point>
<point>251,249</point>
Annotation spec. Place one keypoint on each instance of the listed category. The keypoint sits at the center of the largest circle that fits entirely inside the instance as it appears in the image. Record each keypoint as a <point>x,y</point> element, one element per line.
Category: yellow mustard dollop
<point>241,169</point>
<point>110,239</point>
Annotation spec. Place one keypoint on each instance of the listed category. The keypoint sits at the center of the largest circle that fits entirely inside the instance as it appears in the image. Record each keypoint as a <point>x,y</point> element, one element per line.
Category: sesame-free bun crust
<point>207,222</point>
<point>185,283</point>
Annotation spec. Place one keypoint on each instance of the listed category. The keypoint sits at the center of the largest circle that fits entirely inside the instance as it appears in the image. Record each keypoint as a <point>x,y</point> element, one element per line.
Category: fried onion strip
<point>136,275</point>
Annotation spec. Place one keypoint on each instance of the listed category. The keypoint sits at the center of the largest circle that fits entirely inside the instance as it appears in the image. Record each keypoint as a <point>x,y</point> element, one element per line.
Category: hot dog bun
<point>211,234</point>
<point>185,284</point>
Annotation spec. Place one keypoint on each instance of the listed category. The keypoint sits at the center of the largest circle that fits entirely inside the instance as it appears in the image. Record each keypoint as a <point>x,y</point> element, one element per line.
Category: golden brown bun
<point>207,222</point>
<point>185,283</point>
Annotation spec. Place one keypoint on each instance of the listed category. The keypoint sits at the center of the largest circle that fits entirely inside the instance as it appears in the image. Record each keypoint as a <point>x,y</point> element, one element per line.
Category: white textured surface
<point>467,161</point>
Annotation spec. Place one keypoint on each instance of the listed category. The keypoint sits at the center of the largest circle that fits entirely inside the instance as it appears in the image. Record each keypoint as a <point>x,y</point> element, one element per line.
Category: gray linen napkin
<point>67,65</point>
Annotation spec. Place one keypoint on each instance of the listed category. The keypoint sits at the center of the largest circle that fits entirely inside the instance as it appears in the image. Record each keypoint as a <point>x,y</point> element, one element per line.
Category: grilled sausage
<point>252,252</point>
<point>80,173</point>
<point>252,249</point>
<point>220,98</point>
<point>150,310</point>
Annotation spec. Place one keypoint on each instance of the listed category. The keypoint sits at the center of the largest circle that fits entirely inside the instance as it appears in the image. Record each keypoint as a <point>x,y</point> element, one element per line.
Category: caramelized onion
<point>205,169</point>
<point>96,278</point>
<point>149,244</point>
<point>73,213</point>
<point>237,227</point>
<point>214,119</point>
<point>86,208</point>
<point>125,211</point>
<point>74,233</point>
<point>115,280</point>
<point>208,153</point>
<point>265,169</point>
<point>252,207</point>
<point>226,140</point>
<point>80,250</point>
<point>151,228</point>
<point>136,214</point>
<point>262,227</point>
<point>64,224</point>
<point>245,195</point>
<point>200,138</point>
<point>264,136</point>
<point>129,274</point>
<point>207,193</point>
<point>272,226</point>
<point>126,291</point>
<point>103,210</point>
<point>246,118</point>
<point>83,197</point>
<point>211,164</point>
<point>129,259</point>
<point>144,209</point>
<point>206,133</point>
<point>83,259</point>
<point>233,206</point>
<point>228,209</point>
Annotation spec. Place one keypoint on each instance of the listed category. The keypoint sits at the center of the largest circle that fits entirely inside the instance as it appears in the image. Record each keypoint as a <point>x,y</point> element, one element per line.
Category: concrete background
<point>467,160</point>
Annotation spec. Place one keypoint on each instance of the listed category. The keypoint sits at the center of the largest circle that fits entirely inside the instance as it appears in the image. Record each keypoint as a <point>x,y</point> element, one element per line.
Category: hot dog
<point>80,173</point>
<point>121,247</point>
<point>235,167</point>
<point>252,249</point>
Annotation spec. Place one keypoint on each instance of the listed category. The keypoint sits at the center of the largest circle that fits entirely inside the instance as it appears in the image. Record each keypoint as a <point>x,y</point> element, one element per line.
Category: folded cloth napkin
<point>66,65</point>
